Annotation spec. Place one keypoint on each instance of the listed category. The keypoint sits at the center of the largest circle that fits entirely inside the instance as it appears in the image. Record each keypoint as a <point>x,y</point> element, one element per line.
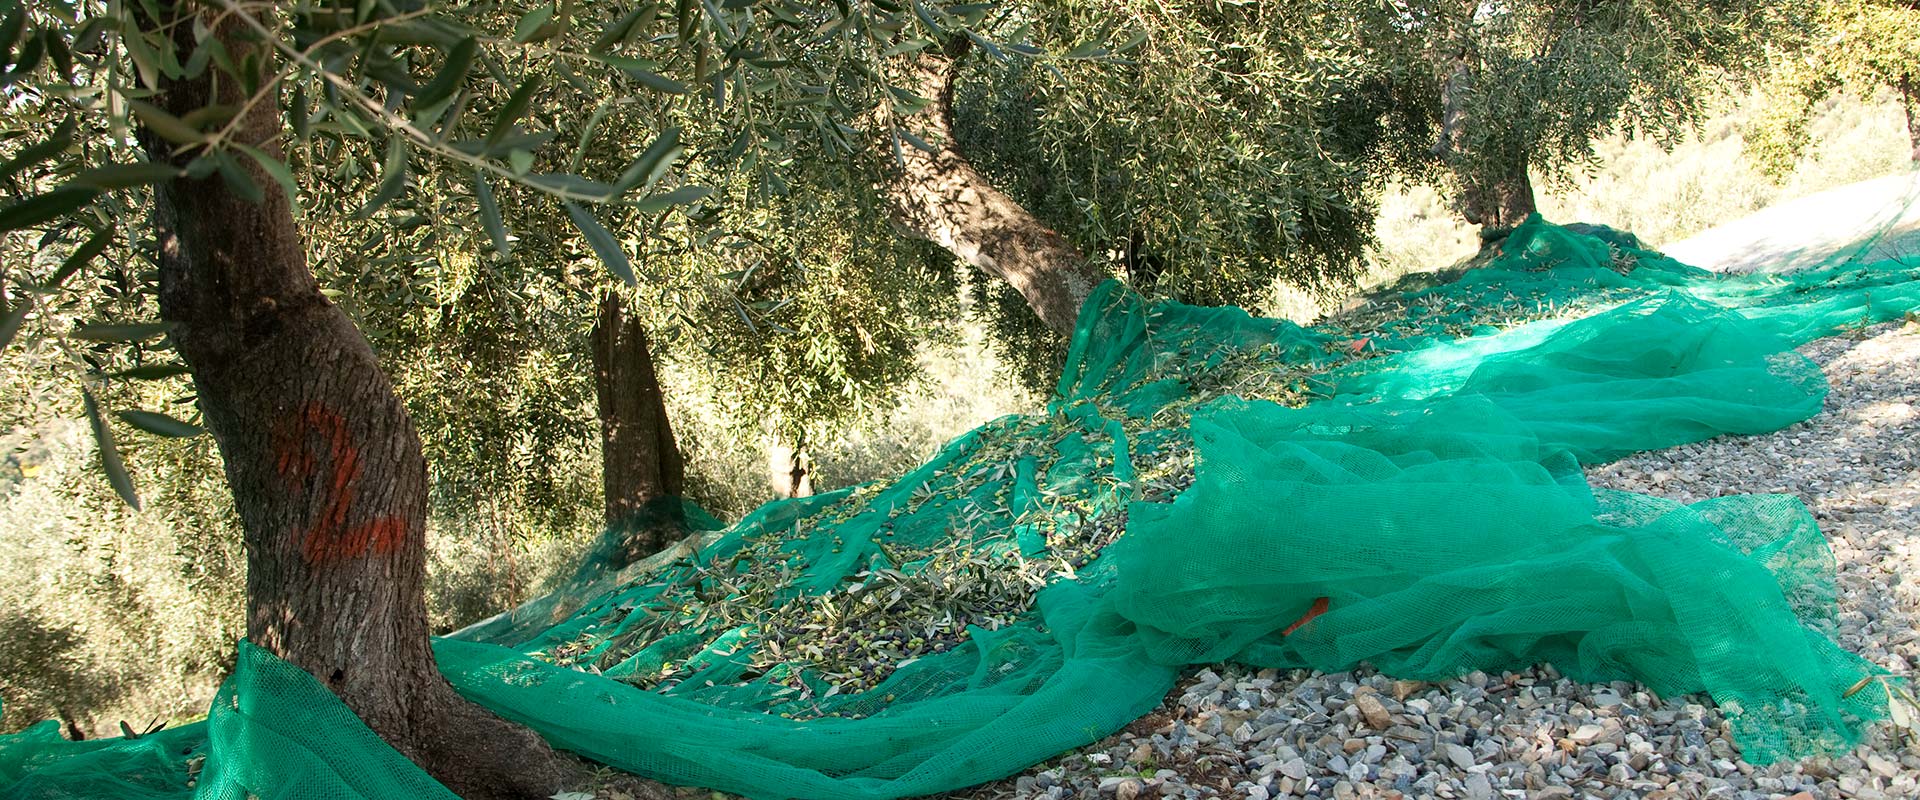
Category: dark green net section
<point>1203,483</point>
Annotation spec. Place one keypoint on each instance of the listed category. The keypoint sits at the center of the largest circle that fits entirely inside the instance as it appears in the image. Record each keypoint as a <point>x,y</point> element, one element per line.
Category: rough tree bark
<point>324,464</point>
<point>1499,203</point>
<point>640,465</point>
<point>941,198</point>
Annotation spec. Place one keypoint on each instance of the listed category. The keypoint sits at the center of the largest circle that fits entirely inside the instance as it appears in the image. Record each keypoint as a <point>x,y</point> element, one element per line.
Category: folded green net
<point>1400,488</point>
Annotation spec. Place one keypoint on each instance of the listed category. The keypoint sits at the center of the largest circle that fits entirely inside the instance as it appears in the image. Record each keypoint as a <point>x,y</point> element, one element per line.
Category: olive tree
<point>1531,86</point>
<point>1859,47</point>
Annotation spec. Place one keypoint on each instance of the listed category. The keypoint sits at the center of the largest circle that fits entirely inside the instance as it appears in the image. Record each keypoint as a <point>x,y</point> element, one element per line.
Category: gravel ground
<point>1228,732</point>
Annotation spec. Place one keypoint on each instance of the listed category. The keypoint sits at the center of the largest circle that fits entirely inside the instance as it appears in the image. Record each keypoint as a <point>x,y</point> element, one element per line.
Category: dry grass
<point>1706,180</point>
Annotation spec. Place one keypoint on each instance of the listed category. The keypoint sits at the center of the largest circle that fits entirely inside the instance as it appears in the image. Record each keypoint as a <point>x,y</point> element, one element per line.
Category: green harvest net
<point>1203,483</point>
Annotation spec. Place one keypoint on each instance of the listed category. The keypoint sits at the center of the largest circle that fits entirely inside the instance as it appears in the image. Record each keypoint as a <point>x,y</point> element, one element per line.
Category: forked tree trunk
<point>941,198</point>
<point>324,464</point>
<point>640,465</point>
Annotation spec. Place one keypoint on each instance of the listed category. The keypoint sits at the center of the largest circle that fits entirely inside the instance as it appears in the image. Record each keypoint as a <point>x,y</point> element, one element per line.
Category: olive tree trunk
<point>939,196</point>
<point>324,464</point>
<point>641,468</point>
<point>1496,193</point>
<point>1499,203</point>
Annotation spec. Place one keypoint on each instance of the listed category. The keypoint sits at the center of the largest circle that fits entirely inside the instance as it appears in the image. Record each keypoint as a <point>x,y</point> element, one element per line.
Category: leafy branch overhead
<point>385,100</point>
<point>1200,151</point>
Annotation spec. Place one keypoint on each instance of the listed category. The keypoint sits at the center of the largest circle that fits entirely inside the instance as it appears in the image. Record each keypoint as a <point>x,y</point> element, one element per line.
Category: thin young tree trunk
<point>324,464</point>
<point>1910,102</point>
<point>640,466</point>
<point>941,198</point>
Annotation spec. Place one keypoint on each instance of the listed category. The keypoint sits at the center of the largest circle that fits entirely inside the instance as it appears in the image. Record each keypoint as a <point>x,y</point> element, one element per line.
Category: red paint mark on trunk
<point>296,448</point>
<point>382,536</point>
<point>1319,607</point>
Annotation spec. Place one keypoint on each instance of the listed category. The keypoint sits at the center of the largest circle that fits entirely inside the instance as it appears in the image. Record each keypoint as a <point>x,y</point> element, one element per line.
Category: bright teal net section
<point>1401,487</point>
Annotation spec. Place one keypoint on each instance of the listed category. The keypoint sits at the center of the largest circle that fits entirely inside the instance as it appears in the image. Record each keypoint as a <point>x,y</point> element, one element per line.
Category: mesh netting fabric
<point>1401,487</point>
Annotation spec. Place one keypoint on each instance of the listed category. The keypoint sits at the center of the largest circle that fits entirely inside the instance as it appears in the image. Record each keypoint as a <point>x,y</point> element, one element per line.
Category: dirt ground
<point>1873,219</point>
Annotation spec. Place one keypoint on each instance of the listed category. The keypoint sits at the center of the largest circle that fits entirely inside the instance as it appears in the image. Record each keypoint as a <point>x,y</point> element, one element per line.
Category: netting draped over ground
<point>1400,488</point>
